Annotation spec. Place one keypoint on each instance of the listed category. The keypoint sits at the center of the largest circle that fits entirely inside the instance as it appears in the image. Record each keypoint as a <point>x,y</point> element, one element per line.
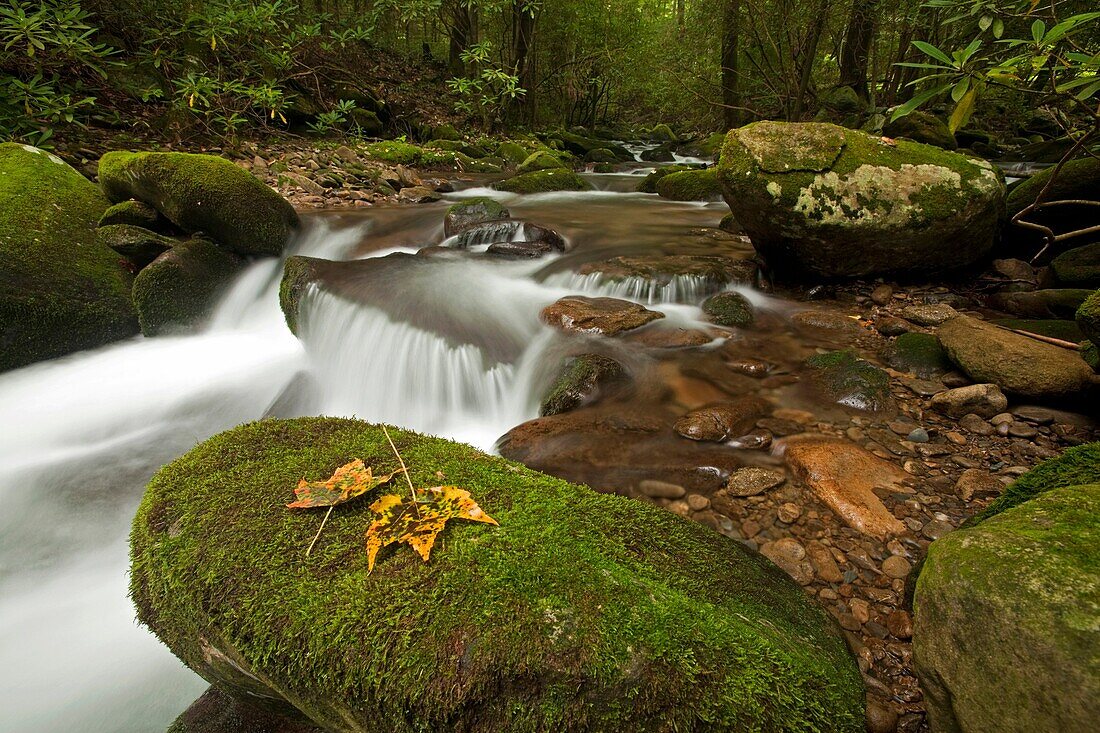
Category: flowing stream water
<point>450,345</point>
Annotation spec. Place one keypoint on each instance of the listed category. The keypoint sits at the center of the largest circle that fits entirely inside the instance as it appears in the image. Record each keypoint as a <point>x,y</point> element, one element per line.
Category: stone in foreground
<point>580,612</point>
<point>1007,628</point>
<point>823,201</point>
<point>203,193</point>
<point>605,316</point>
<point>61,289</point>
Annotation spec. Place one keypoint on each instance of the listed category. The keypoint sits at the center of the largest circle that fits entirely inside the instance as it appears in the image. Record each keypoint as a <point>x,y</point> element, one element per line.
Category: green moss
<point>918,353</point>
<point>474,165</point>
<point>298,272</point>
<point>554,179</point>
<point>581,381</point>
<point>1065,330</point>
<point>922,127</point>
<point>137,244</point>
<point>178,289</point>
<point>649,183</point>
<point>662,132</point>
<point>1091,355</point>
<point>1088,317</point>
<point>512,152</point>
<point>471,211</point>
<point>398,152</point>
<point>203,193</point>
<point>600,155</point>
<point>445,132</point>
<point>135,213</point>
<point>1079,267</point>
<point>1076,179</point>
<point>1077,465</point>
<point>696,185</point>
<point>61,289</point>
<point>851,381</point>
<point>580,609</point>
<point>729,309</point>
<point>541,160</point>
<point>458,146</point>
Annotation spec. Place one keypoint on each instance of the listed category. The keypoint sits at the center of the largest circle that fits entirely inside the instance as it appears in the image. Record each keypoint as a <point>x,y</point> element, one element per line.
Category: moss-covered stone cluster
<point>61,289</point>
<point>544,181</point>
<point>649,183</point>
<point>580,611</point>
<point>178,288</point>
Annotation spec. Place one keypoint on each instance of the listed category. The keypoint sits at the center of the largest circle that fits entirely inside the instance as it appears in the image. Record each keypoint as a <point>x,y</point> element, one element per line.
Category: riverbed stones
<point>61,288</point>
<point>603,316</point>
<point>178,289</point>
<point>515,628</point>
<point>203,193</point>
<point>981,400</point>
<point>1007,612</point>
<point>582,380</point>
<point>929,314</point>
<point>820,200</point>
<point>752,481</point>
<point>850,381</point>
<point>844,476</point>
<point>789,554</point>
<point>472,211</point>
<point>723,421</point>
<point>974,481</point>
<point>731,309</point>
<point>1017,364</point>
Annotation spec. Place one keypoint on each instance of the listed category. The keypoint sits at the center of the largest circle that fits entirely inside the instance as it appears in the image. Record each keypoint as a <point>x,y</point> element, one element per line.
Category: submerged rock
<point>722,421</point>
<point>203,193</point>
<point>61,289</point>
<point>851,382</point>
<point>729,309</point>
<point>180,287</point>
<point>604,316</point>
<point>1007,612</point>
<point>820,200</point>
<point>917,353</point>
<point>582,380</point>
<point>540,623</point>
<point>843,475</point>
<point>472,212</point>
<point>1016,363</point>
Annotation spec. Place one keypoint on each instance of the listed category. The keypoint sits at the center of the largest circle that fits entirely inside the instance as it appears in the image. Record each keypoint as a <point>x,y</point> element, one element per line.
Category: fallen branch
<point>1045,339</point>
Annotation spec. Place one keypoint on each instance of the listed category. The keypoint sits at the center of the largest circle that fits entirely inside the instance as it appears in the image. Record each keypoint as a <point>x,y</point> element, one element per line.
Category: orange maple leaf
<point>418,523</point>
<point>347,482</point>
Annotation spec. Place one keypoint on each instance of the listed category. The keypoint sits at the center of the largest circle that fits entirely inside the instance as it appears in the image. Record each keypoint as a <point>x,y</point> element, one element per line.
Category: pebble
<point>881,718</point>
<point>1022,430</point>
<point>861,609</point>
<point>660,489</point>
<point>789,513</point>
<point>936,528</point>
<point>891,326</point>
<point>697,502</point>
<point>790,555</point>
<point>896,566</point>
<point>1003,418</point>
<point>882,295</point>
<point>980,399</point>
<point>824,563</point>
<point>919,435</point>
<point>752,481</point>
<point>900,624</point>
<point>976,481</point>
<point>848,621</point>
<point>929,314</point>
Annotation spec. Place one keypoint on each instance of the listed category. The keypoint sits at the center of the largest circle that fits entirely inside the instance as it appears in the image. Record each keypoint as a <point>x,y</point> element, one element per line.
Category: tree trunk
<point>460,34</point>
<point>523,36</point>
<point>680,16</point>
<point>857,46</point>
<point>731,94</point>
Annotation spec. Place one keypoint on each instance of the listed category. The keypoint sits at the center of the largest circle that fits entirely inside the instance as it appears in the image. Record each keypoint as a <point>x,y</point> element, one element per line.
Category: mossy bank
<point>580,612</point>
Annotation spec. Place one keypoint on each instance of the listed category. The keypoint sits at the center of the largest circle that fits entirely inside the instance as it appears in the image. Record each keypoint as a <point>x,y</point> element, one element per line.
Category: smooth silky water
<point>451,345</point>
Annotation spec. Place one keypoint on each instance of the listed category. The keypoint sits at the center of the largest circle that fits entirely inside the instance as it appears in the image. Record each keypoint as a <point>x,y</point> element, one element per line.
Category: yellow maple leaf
<point>347,482</point>
<point>418,523</point>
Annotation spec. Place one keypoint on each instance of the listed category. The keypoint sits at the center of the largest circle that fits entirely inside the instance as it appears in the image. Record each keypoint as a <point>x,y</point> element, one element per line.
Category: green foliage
<point>491,88</point>
<point>39,40</point>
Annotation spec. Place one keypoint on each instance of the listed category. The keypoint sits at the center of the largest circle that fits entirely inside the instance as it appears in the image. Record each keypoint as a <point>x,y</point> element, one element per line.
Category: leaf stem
<point>404,469</point>
<point>316,536</point>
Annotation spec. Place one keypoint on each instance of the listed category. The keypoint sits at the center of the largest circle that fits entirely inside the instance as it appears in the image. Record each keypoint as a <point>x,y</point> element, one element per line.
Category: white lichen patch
<point>775,189</point>
<point>40,151</point>
<point>872,193</point>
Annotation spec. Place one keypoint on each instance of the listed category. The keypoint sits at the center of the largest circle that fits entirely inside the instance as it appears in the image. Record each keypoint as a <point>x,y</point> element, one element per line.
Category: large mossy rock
<point>471,212</point>
<point>179,288</point>
<point>649,183</point>
<point>61,289</point>
<point>580,612</point>
<point>1078,267</point>
<point>1006,635</point>
<point>1017,364</point>
<point>1077,465</point>
<point>921,127</point>
<point>1077,180</point>
<point>823,201</point>
<point>544,181</point>
<point>697,185</point>
<point>203,193</point>
<point>1088,317</point>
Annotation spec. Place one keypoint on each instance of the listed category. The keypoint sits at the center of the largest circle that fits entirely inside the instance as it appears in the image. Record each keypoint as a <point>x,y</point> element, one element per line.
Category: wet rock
<point>825,323</point>
<point>984,400</point>
<point>417,195</point>
<point>749,367</point>
<point>917,353</point>
<point>918,435</point>
<point>821,200</point>
<point>824,563</point>
<point>790,556</point>
<point>881,718</point>
<point>929,314</point>
<point>720,422</point>
<point>852,382</point>
<point>882,295</point>
<point>134,213</point>
<point>137,244</point>
<point>605,316</point>
<point>891,326</point>
<point>974,481</point>
<point>729,309</point>
<point>217,711</point>
<point>975,424</point>
<point>661,489</point>
<point>684,277</point>
<point>583,380</point>
<point>789,512</point>
<point>900,624</point>
<point>1015,363</point>
<point>843,475</point>
<point>752,481</point>
<point>179,288</point>
<point>472,212</point>
<point>896,566</point>
<point>659,337</point>
<point>518,250</point>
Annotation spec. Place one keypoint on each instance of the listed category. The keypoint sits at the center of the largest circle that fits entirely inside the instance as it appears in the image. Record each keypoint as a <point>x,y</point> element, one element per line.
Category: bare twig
<point>404,468</point>
<point>1045,339</point>
<point>316,536</point>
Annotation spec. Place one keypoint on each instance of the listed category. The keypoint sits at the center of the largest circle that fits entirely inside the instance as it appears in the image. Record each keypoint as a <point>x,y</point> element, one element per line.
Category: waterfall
<point>676,289</point>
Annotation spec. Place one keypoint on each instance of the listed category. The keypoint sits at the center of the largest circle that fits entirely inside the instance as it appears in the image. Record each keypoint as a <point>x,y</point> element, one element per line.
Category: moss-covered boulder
<point>1091,355</point>
<point>203,193</point>
<point>541,160</point>
<point>729,309</point>
<point>1077,465</point>
<point>471,212</point>
<point>1016,363</point>
<point>580,611</point>
<point>544,181</point>
<point>512,152</point>
<point>135,213</point>
<point>179,288</point>
<point>921,127</point>
<point>1078,267</point>
<point>61,289</point>
<point>662,132</point>
<point>917,353</point>
<point>445,132</point>
<point>697,185</point>
<point>1088,317</point>
<point>1007,618</point>
<point>582,380</point>
<point>1077,180</point>
<point>707,147</point>
<point>600,155</point>
<point>1046,303</point>
<point>137,244</point>
<point>649,183</point>
<point>581,146</point>
<point>823,201</point>
<point>847,380</point>
<point>1059,328</point>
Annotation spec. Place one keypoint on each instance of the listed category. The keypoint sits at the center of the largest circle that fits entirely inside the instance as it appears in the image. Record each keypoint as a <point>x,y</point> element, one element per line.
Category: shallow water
<point>448,344</point>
